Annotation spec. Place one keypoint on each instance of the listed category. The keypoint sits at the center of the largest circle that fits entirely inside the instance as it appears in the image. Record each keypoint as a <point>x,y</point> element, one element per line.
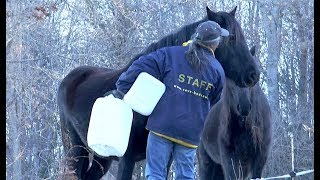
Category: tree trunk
<point>302,64</point>
<point>272,27</point>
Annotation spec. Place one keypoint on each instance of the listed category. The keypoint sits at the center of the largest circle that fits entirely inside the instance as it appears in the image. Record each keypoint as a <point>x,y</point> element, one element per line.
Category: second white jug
<point>144,94</point>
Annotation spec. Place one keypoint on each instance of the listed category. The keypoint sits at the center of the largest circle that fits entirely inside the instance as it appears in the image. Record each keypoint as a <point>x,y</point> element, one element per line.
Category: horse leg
<point>208,169</point>
<point>98,168</point>
<point>232,168</point>
<point>258,164</point>
<point>231,165</point>
<point>77,156</point>
<point>125,167</point>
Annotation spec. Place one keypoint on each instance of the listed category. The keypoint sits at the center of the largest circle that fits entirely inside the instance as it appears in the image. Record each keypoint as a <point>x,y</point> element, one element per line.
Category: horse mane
<point>173,39</point>
<point>185,32</point>
<point>233,26</point>
<point>255,124</point>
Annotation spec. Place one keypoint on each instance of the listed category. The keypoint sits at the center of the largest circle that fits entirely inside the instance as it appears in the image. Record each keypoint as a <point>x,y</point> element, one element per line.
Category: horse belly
<point>138,137</point>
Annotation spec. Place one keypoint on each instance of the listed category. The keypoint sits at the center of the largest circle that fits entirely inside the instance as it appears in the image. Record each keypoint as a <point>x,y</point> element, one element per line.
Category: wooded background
<point>46,39</point>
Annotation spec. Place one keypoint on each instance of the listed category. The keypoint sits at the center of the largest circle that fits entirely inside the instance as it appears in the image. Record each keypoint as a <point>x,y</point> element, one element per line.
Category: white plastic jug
<point>144,94</point>
<point>109,127</point>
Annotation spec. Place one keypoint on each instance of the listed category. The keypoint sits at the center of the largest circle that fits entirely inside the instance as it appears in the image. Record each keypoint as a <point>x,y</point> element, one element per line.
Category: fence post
<point>292,154</point>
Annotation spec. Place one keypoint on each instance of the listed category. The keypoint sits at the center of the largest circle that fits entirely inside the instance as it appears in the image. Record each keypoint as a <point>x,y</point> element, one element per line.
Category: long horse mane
<point>175,38</point>
<point>255,125</point>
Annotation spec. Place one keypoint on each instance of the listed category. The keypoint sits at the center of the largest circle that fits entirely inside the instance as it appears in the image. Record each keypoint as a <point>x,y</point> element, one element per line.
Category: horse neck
<point>173,39</point>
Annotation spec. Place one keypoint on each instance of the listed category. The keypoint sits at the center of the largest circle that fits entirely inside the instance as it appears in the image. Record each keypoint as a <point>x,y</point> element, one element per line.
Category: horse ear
<point>233,12</point>
<point>253,50</point>
<point>210,14</point>
<point>208,10</point>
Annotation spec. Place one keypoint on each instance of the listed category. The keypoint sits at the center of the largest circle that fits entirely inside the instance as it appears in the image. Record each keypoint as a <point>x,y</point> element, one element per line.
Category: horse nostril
<point>238,108</point>
<point>253,78</point>
<point>253,75</point>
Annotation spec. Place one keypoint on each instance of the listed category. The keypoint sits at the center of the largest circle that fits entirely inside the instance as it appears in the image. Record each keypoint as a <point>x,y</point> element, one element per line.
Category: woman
<point>194,81</point>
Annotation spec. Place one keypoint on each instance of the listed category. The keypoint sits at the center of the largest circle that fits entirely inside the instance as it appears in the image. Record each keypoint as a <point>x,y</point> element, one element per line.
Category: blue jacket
<point>181,111</point>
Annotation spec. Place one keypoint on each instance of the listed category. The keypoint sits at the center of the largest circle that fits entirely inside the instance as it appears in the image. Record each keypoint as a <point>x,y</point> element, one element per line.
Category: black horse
<point>237,135</point>
<point>83,85</point>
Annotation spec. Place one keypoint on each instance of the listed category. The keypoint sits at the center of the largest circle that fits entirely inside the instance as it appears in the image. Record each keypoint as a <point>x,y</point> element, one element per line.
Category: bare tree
<point>45,40</point>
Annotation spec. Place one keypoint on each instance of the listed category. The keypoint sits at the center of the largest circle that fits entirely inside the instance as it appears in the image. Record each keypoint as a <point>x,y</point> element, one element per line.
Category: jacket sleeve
<point>153,64</point>
<point>218,90</point>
